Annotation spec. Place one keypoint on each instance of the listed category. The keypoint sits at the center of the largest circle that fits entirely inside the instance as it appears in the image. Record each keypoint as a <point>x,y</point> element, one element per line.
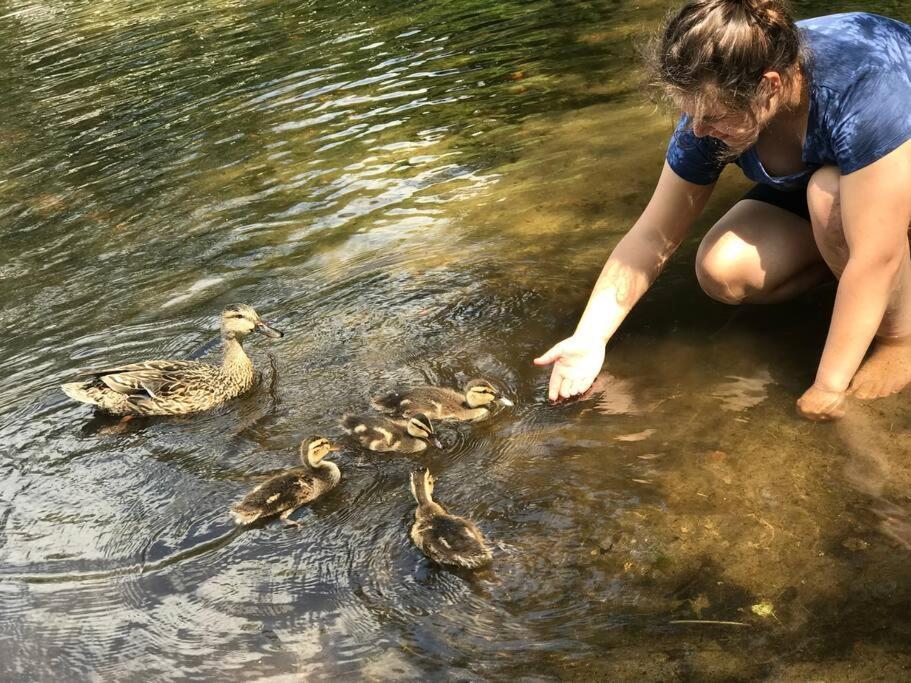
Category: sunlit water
<point>418,192</point>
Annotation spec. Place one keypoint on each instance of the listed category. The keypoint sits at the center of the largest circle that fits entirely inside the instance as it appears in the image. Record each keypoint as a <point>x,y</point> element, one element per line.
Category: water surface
<point>418,192</point>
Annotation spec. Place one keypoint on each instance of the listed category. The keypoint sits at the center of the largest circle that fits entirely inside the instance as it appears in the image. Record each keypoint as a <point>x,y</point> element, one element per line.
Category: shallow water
<point>413,193</point>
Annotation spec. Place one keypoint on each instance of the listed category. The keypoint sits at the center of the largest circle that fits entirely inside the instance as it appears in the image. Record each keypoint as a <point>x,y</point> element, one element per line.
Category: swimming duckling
<point>381,433</point>
<point>444,538</point>
<point>286,492</point>
<point>177,387</point>
<point>441,403</point>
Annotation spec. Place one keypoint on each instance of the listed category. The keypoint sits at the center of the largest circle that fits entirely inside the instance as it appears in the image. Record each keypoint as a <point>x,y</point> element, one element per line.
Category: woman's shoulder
<point>859,67</point>
<point>843,49</point>
<point>863,26</point>
<point>841,37</point>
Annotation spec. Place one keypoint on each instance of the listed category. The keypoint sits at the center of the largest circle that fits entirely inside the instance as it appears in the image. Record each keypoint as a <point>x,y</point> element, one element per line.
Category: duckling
<point>286,492</point>
<point>381,433</point>
<point>444,538</point>
<point>441,403</point>
<point>177,387</point>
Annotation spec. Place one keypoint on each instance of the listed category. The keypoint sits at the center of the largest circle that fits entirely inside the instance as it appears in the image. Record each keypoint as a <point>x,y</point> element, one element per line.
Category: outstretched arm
<point>875,212</point>
<point>632,267</point>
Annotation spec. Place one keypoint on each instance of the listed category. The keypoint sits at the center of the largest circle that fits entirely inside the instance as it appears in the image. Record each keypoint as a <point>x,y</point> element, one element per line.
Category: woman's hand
<point>632,267</point>
<point>577,361</point>
<point>821,404</point>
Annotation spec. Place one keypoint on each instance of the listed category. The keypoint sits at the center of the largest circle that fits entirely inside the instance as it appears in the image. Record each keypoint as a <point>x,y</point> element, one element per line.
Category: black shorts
<point>795,202</point>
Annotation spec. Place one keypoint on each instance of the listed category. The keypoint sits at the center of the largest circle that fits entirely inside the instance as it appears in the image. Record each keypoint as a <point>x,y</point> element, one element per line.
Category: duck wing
<point>418,399</point>
<point>435,402</point>
<point>280,492</point>
<point>391,402</point>
<point>158,379</point>
<point>149,365</point>
<point>285,491</point>
<point>455,540</point>
<point>374,427</point>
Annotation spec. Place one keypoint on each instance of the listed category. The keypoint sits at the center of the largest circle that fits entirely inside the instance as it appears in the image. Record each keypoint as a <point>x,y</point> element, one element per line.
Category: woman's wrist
<point>831,385</point>
<point>591,334</point>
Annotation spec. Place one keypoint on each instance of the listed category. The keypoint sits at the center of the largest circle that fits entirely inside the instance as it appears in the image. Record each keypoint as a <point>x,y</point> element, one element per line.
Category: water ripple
<point>415,194</point>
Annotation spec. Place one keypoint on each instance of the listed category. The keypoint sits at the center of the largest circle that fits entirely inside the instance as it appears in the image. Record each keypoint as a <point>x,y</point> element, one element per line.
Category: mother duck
<point>177,387</point>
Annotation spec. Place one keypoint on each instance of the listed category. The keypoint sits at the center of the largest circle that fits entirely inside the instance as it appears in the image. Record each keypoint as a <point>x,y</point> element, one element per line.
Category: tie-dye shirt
<point>860,103</point>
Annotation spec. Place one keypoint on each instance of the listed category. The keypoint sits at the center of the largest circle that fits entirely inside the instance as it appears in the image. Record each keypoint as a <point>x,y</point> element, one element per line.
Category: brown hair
<point>718,50</point>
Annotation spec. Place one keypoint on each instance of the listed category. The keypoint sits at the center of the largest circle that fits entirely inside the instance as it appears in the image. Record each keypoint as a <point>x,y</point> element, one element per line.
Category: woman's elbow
<point>885,265</point>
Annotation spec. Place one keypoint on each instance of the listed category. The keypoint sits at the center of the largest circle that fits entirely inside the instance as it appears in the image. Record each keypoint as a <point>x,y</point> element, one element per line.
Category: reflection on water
<point>741,393</point>
<point>875,467</point>
<point>414,194</point>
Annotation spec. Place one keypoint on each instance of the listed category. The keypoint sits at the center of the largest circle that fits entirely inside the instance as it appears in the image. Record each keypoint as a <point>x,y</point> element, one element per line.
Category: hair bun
<point>721,48</point>
<point>764,11</point>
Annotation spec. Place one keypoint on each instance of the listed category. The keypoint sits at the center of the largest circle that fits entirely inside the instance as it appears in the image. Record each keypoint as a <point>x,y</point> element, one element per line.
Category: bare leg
<point>759,254</point>
<point>887,369</point>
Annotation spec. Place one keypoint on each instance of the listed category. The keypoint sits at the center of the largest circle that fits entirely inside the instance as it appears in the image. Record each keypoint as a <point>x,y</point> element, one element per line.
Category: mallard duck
<point>177,387</point>
<point>381,433</point>
<point>444,538</point>
<point>441,403</point>
<point>286,492</point>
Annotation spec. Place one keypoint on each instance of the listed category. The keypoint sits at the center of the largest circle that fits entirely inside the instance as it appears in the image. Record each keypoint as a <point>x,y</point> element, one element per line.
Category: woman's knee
<point>720,268</point>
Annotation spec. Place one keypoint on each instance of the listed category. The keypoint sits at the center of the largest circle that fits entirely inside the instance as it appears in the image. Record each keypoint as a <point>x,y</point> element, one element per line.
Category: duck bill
<point>503,401</point>
<point>267,331</point>
<point>436,442</point>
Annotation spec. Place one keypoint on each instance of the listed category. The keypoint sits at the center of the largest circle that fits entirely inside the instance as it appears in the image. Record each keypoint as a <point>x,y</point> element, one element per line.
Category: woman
<point>818,113</point>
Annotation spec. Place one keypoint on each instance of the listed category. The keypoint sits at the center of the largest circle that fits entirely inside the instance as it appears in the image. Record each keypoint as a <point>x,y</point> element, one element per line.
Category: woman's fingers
<point>576,386</point>
<point>553,390</point>
<point>571,374</point>
<point>821,404</point>
<point>549,356</point>
<point>580,386</point>
<point>560,385</point>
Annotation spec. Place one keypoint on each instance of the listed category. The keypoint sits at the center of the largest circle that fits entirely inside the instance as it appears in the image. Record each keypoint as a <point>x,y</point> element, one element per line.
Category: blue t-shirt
<point>860,103</point>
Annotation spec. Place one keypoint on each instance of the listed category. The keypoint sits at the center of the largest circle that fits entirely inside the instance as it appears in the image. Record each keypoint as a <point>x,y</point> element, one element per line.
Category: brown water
<point>417,192</point>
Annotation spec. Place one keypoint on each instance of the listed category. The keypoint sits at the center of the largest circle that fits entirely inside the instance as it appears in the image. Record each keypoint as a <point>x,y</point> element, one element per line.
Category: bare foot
<point>886,371</point>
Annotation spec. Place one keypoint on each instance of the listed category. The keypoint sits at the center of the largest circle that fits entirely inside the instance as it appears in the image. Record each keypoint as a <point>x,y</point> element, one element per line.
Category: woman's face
<point>738,130</point>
